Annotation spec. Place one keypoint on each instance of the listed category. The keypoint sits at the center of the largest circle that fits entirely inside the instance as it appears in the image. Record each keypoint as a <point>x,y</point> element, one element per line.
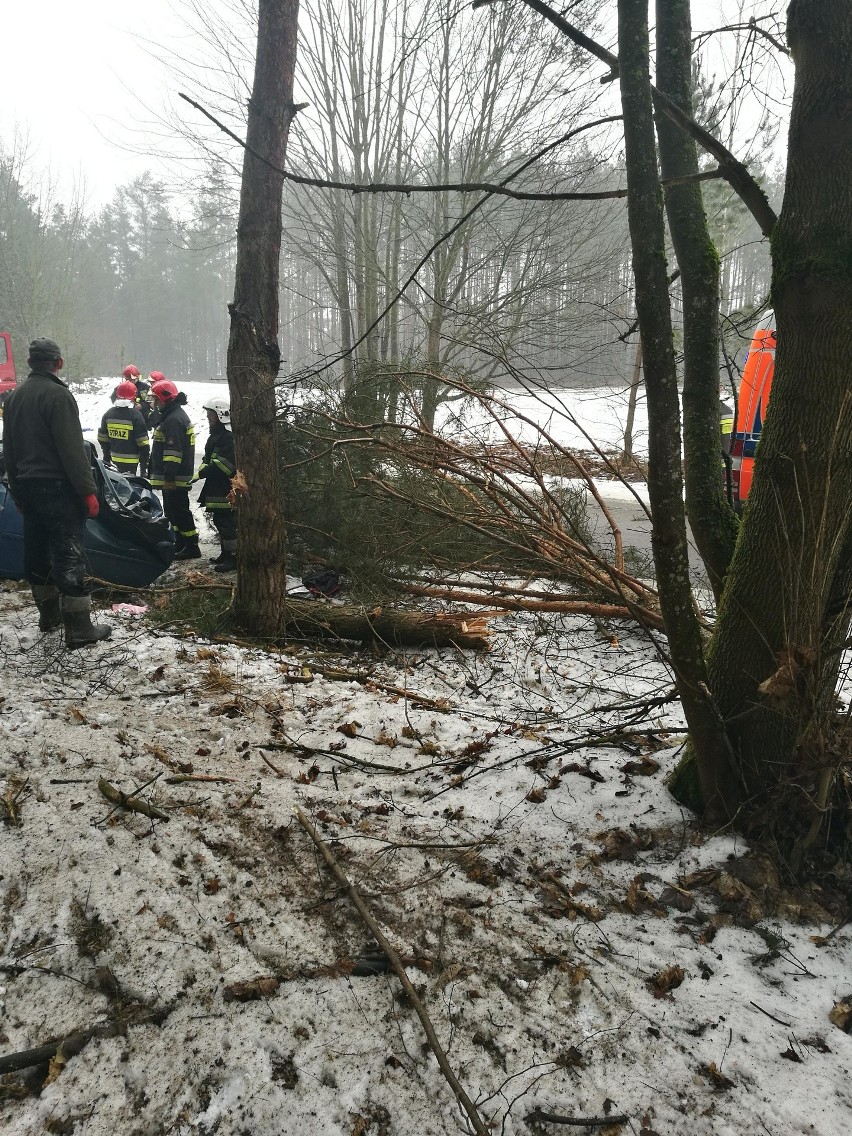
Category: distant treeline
<point>537,289</point>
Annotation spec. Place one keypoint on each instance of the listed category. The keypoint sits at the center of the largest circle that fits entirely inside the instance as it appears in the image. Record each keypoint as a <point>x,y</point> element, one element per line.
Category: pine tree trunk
<point>711,518</point>
<point>253,351</point>
<point>665,486</point>
<point>792,553</point>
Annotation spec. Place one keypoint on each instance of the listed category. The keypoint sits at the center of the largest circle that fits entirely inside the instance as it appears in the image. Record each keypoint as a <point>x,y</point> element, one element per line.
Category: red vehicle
<point>7,364</point>
<point>751,412</point>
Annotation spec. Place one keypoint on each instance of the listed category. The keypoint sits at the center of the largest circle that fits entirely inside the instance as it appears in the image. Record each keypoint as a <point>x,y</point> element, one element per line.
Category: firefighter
<point>172,465</point>
<point>123,434</point>
<point>151,413</point>
<point>132,374</point>
<point>51,482</point>
<point>217,468</point>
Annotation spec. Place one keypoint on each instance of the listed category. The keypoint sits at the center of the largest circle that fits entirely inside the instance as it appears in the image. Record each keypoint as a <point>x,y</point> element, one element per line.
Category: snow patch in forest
<point>536,885</point>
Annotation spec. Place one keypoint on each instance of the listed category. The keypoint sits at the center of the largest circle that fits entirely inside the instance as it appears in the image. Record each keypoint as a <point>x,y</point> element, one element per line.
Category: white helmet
<point>221,407</point>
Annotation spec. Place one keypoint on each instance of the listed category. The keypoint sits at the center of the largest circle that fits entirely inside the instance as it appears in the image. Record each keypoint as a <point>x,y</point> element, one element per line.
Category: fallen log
<point>389,625</point>
<point>565,606</point>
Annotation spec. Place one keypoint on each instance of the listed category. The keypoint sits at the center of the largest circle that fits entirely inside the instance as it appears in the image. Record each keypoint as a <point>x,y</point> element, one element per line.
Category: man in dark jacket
<point>173,464</point>
<point>51,482</point>
<point>123,435</point>
<point>217,469</point>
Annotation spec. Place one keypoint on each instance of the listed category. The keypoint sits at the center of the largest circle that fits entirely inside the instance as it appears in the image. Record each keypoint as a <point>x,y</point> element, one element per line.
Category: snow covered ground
<point>581,948</point>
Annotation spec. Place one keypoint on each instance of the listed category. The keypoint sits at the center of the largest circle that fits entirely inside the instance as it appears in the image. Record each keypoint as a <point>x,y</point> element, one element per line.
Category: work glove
<point>92,506</point>
<point>168,486</point>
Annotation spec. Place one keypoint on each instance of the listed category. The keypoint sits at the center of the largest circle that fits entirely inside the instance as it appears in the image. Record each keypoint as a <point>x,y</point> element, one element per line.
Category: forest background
<point>529,289</point>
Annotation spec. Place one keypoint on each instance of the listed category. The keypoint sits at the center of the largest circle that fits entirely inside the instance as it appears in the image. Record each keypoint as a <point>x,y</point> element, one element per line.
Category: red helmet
<point>126,389</point>
<point>164,390</point>
<point>130,372</point>
<point>157,377</point>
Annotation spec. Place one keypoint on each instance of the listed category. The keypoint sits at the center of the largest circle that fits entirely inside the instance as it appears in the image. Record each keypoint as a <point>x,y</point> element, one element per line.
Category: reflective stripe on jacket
<point>217,468</point>
<point>173,451</point>
<point>123,435</point>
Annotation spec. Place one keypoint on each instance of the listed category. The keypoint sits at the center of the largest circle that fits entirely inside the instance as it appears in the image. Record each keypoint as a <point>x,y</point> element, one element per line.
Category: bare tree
<point>253,352</point>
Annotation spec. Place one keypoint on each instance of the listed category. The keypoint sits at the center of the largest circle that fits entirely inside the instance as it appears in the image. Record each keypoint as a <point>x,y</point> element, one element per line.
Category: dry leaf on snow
<point>715,1076</point>
<point>263,986</point>
<point>840,1014</point>
<point>644,767</point>
<point>666,980</point>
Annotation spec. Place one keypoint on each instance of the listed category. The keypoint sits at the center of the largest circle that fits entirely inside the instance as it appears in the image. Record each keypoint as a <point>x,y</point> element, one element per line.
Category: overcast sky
<point>79,81</point>
<point>83,81</point>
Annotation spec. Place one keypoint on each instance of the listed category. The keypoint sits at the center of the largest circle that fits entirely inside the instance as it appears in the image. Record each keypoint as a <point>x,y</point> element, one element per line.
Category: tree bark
<point>793,545</point>
<point>711,518</point>
<point>253,351</point>
<point>665,486</point>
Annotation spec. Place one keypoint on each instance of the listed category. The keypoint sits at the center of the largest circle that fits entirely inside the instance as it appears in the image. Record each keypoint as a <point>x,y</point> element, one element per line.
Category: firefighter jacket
<point>124,439</point>
<point>173,451</point>
<point>42,437</point>
<point>217,468</point>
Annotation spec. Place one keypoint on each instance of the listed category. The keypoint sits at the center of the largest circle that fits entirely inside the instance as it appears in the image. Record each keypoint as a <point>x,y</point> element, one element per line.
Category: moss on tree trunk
<point>665,486</point>
<point>791,559</point>
<point>713,522</point>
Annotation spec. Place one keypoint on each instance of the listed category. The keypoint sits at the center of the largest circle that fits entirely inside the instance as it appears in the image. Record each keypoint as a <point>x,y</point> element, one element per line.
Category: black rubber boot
<point>190,551</point>
<point>46,597</point>
<point>77,618</point>
<point>227,561</point>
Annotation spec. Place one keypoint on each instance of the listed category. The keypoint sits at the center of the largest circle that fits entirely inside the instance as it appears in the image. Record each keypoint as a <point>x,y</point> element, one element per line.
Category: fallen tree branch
<point>405,628</point>
<point>334,675</point>
<point>362,909</point>
<point>132,804</point>
<point>212,777</point>
<point>65,1047</point>
<point>566,606</point>
<point>74,1043</point>
<point>539,1117</point>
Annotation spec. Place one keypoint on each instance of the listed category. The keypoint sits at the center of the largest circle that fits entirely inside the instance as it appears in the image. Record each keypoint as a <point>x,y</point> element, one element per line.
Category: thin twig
<point>179,778</point>
<point>274,768</point>
<point>132,804</point>
<point>772,1016</point>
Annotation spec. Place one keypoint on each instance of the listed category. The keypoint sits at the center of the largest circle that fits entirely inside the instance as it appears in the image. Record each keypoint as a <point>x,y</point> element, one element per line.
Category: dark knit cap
<point>44,348</point>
